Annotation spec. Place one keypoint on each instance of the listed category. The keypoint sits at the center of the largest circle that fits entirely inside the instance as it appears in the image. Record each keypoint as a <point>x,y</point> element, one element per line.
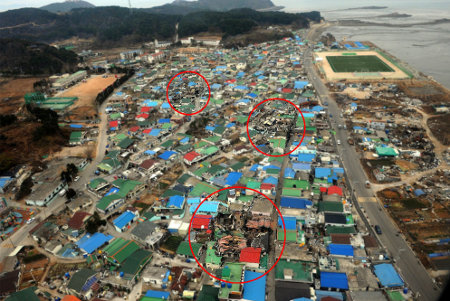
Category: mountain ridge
<point>66,6</point>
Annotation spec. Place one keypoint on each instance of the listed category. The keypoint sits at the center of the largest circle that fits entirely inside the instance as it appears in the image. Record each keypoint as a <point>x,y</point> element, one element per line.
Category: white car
<point>76,178</point>
<point>338,142</point>
<point>30,220</point>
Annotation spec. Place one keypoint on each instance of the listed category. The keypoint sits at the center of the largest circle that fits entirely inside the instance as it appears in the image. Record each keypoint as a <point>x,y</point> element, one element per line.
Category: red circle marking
<point>250,139</point>
<point>236,282</point>
<point>209,93</point>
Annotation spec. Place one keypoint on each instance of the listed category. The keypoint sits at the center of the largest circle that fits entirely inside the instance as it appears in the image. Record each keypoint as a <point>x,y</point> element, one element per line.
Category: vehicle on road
<point>331,115</point>
<point>342,115</point>
<point>340,126</point>
<point>378,229</point>
<point>325,103</point>
<point>338,142</point>
<point>76,178</point>
<point>62,192</point>
<point>367,184</point>
<point>30,220</point>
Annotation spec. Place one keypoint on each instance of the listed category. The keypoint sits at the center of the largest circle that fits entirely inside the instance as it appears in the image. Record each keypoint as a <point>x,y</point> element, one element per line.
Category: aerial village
<point>183,207</point>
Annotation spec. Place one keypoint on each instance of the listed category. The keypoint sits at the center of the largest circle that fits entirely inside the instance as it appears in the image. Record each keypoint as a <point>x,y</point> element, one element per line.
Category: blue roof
<point>216,86</point>
<point>89,243</point>
<point>184,140</point>
<point>231,124</point>
<point>322,172</point>
<point>158,294</point>
<point>124,219</point>
<point>165,105</point>
<point>344,250</point>
<point>387,275</point>
<point>298,203</point>
<point>149,152</point>
<point>166,155</point>
<point>211,207</point>
<point>176,201</point>
<point>244,100</point>
<point>150,103</point>
<point>191,84</point>
<point>270,180</point>
<point>255,290</point>
<point>300,84</point>
<point>333,280</point>
<point>289,221</point>
<point>233,178</point>
<point>76,126</point>
<point>419,192</point>
<point>241,88</point>
<point>271,167</point>
<point>305,157</point>
<point>4,181</point>
<point>164,120</point>
<point>289,172</point>
<point>210,128</point>
<point>254,167</point>
<point>301,166</point>
<point>253,95</point>
<point>154,132</point>
<point>191,201</point>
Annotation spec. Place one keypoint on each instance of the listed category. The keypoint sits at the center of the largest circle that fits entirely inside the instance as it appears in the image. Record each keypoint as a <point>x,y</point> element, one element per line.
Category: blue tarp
<point>89,243</point>
<point>343,250</point>
<point>166,155</point>
<point>155,132</point>
<point>164,120</point>
<point>113,190</point>
<point>233,178</point>
<point>176,201</point>
<point>298,203</point>
<point>76,126</point>
<point>289,221</point>
<point>158,294</point>
<point>124,219</point>
<point>333,280</point>
<point>387,275</point>
<point>419,192</point>
<point>254,290</point>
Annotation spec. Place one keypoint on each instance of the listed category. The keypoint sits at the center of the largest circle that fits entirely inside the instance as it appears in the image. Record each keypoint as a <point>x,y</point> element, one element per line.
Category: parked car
<point>378,229</point>
<point>338,142</point>
<point>76,178</point>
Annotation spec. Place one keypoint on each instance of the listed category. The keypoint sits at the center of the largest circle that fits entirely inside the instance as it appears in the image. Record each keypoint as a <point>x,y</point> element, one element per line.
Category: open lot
<point>12,92</point>
<point>84,107</point>
<point>356,65</point>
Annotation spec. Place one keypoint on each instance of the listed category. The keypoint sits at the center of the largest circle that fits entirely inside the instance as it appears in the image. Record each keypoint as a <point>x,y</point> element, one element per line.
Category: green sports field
<point>358,63</point>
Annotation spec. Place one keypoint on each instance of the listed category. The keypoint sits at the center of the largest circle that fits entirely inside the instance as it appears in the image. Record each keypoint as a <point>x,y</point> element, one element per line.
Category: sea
<point>426,47</point>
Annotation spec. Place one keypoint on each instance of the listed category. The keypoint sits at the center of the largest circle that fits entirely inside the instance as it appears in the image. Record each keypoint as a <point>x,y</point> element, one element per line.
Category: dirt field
<point>86,93</point>
<point>323,64</point>
<point>439,126</point>
<point>12,92</point>
<point>82,151</point>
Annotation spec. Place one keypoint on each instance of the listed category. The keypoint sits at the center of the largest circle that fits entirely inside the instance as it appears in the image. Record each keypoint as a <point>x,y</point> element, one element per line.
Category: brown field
<point>15,90</point>
<point>440,126</point>
<point>331,75</point>
<point>86,93</point>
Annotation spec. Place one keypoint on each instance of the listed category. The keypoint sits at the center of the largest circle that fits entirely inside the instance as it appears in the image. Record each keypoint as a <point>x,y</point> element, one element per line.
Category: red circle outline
<point>236,282</point>
<point>304,127</point>
<point>167,93</point>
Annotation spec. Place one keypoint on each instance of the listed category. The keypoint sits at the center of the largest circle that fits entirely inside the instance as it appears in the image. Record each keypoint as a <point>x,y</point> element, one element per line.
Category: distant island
<point>394,15</point>
<point>62,7</point>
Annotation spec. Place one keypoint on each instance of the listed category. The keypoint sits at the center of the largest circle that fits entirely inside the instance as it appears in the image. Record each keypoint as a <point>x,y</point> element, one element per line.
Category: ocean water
<point>424,47</point>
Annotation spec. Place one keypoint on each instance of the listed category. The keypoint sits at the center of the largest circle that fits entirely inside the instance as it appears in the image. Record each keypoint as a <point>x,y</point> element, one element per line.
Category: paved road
<point>413,272</point>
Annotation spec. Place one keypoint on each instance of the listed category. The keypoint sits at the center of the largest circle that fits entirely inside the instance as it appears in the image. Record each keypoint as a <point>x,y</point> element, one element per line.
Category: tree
<point>25,188</point>
<point>66,177</point>
<point>72,169</point>
<point>70,194</point>
<point>94,223</point>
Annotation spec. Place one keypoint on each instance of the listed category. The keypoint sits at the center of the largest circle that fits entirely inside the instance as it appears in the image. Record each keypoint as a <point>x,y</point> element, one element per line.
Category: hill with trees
<point>66,6</point>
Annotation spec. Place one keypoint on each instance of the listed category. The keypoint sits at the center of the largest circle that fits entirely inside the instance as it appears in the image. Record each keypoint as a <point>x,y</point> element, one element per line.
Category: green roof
<point>184,249</point>
<point>292,183</point>
<point>213,139</point>
<point>291,236</point>
<point>202,188</point>
<point>114,116</point>
<point>211,256</point>
<point>254,185</point>
<point>395,295</point>
<point>219,130</point>
<point>340,230</point>
<point>120,249</point>
<point>170,192</point>
<point>385,151</point>
<point>200,144</point>
<point>125,143</point>
<point>208,293</point>
<point>75,136</point>
<point>24,295</point>
<point>231,272</point>
<point>133,264</point>
<point>105,201</point>
<point>237,166</point>
<point>183,178</point>
<point>96,182</point>
<point>199,172</point>
<point>331,207</point>
<point>209,150</point>
<point>79,278</point>
<point>302,270</point>
<point>167,144</point>
<point>119,137</point>
<point>215,169</point>
<point>245,198</point>
<point>291,192</point>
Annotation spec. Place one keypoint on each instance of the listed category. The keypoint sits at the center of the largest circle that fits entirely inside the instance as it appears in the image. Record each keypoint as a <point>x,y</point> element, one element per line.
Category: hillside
<point>185,7</point>
<point>117,26</point>
<point>66,6</point>
<point>18,57</point>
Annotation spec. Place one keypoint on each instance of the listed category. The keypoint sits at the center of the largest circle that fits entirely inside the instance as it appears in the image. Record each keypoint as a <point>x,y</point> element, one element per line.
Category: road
<point>412,271</point>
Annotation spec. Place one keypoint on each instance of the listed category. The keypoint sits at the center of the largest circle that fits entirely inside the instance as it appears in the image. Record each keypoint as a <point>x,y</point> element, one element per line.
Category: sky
<point>298,5</point>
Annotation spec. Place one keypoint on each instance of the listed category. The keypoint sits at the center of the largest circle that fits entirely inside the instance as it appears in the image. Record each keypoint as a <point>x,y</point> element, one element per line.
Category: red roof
<point>76,222</point>
<point>134,129</point>
<point>145,109</point>
<point>323,189</point>
<point>334,190</point>
<point>143,115</point>
<point>230,81</point>
<point>267,186</point>
<point>70,298</point>
<point>191,156</point>
<point>286,90</point>
<point>147,164</point>
<point>252,84</point>
<point>114,124</point>
<point>251,255</point>
<point>201,221</point>
<point>146,131</point>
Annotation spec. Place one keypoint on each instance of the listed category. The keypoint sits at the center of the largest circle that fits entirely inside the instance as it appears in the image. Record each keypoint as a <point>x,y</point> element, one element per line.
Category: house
<point>124,221</point>
<point>184,251</point>
<point>192,157</point>
<point>44,193</point>
<point>148,166</point>
<point>268,189</point>
<point>78,219</point>
<point>148,234</point>
<point>155,276</point>
<point>81,282</point>
<point>250,256</point>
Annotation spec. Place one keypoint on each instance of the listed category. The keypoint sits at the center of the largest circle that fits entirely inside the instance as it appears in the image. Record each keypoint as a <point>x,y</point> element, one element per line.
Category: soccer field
<point>358,63</point>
